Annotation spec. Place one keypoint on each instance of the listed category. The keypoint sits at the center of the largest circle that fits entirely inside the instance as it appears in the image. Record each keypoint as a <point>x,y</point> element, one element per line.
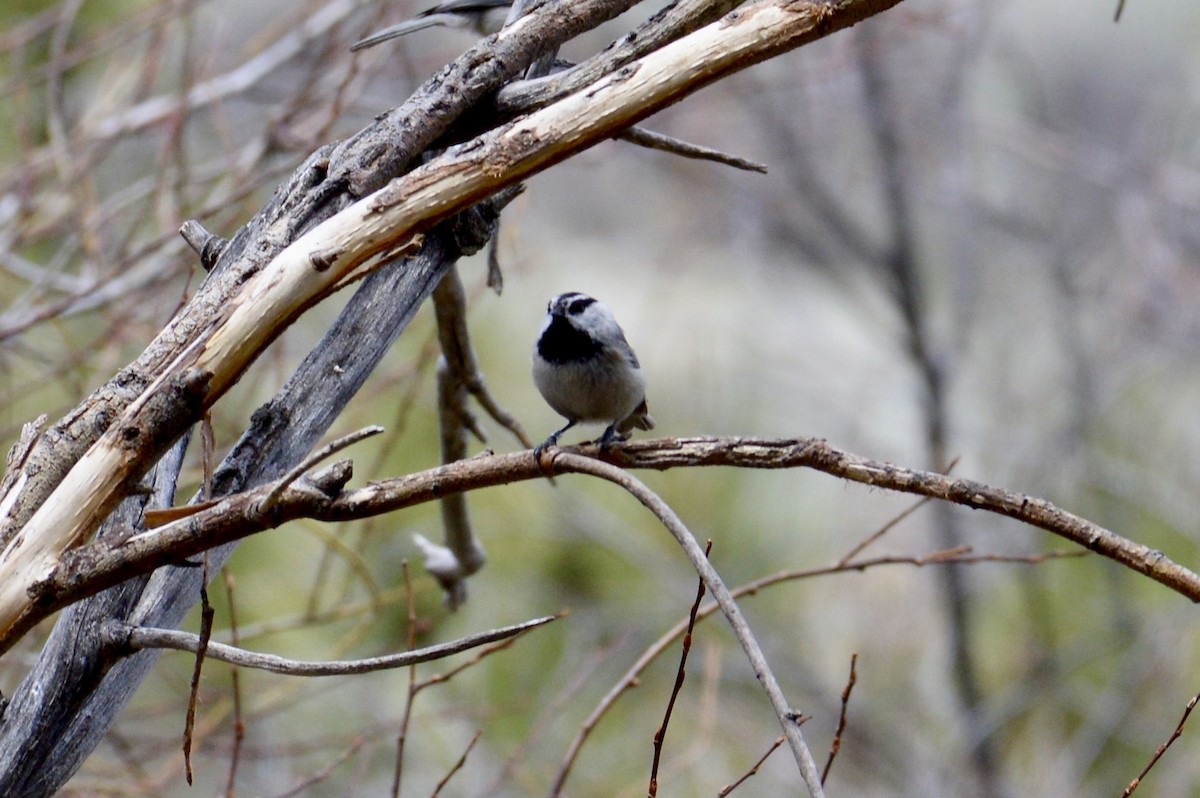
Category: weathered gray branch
<point>65,704</point>
<point>357,239</point>
<point>140,638</point>
<point>95,566</point>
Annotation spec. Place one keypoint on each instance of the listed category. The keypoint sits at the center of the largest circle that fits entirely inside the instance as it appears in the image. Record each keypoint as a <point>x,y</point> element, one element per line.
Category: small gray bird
<point>484,16</point>
<point>586,370</point>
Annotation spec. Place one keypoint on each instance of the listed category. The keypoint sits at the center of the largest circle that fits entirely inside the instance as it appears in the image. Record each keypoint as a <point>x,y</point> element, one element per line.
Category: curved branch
<point>136,638</point>
<point>95,566</point>
<point>789,719</point>
<point>381,227</point>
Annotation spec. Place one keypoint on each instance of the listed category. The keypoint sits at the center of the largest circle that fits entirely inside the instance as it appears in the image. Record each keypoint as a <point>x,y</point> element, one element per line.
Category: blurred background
<point>978,242</point>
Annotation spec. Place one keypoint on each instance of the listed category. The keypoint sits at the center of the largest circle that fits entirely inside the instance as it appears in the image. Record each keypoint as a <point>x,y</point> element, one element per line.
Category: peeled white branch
<point>377,229</point>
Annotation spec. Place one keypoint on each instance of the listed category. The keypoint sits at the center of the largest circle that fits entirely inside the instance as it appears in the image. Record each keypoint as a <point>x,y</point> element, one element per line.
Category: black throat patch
<point>563,343</point>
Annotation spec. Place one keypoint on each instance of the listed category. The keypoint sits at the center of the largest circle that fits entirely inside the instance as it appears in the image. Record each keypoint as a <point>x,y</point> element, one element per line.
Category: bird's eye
<point>576,307</point>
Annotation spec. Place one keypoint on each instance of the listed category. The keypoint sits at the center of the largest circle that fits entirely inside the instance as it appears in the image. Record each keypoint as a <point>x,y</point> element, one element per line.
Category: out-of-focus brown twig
<point>462,760</point>
<point>206,620</point>
<point>836,745</point>
<point>324,773</point>
<point>235,687</point>
<point>1162,749</point>
<point>630,677</point>
<point>680,675</point>
<point>753,770</point>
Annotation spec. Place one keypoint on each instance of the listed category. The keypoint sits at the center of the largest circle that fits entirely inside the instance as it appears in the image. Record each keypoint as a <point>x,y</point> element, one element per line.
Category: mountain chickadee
<point>586,370</point>
<point>484,16</point>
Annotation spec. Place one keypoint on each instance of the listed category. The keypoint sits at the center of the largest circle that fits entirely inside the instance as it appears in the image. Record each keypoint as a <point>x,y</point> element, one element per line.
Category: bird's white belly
<point>589,391</point>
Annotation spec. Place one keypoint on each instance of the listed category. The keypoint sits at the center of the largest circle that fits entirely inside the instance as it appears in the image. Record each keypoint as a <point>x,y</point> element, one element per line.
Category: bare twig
<point>458,375</point>
<point>208,246</point>
<point>406,716</point>
<point>631,676</point>
<point>208,453</point>
<point>788,718</point>
<point>320,454</point>
<point>462,760</point>
<point>201,650</point>
<point>660,141</point>
<point>1162,749</point>
<point>836,745</point>
<point>480,655</point>
<point>680,675</point>
<point>235,685</point>
<point>322,774</point>
<point>753,770</point>
<point>95,566</point>
<point>450,306</point>
<point>137,638</point>
<point>883,530</point>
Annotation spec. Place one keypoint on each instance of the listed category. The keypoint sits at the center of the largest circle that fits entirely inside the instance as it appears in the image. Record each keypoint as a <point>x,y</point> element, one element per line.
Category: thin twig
<point>201,649</point>
<point>137,638</point>
<point>1162,749</point>
<point>480,655</point>
<point>450,306</point>
<point>235,686</point>
<point>836,745</point>
<point>462,760</point>
<point>660,141</point>
<point>883,530</point>
<point>680,675</point>
<point>788,718</point>
<point>891,524</point>
<point>411,635</point>
<point>208,452</point>
<point>316,457</point>
<point>324,772</point>
<point>731,787</point>
<point>630,677</point>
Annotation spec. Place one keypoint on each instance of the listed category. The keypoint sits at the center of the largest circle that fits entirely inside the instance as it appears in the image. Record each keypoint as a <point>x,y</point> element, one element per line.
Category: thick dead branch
<point>62,708</point>
<point>328,180</point>
<point>349,244</point>
<point>93,567</point>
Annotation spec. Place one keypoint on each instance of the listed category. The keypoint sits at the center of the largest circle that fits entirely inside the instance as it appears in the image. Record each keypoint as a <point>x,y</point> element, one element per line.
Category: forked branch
<point>96,566</point>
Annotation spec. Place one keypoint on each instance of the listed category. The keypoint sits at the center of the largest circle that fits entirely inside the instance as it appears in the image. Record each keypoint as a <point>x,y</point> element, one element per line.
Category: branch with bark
<point>323,495</point>
<point>54,512</point>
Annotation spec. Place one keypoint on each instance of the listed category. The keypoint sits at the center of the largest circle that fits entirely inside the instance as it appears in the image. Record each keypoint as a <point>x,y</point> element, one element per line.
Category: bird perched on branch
<point>586,370</point>
<point>484,16</point>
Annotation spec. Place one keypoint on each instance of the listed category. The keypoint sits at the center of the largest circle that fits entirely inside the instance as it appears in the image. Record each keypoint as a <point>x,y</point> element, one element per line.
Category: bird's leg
<point>609,436</point>
<point>551,441</point>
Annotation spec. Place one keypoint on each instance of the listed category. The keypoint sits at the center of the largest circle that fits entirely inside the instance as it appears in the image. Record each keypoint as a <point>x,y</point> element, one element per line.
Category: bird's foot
<point>544,445</point>
<point>610,437</point>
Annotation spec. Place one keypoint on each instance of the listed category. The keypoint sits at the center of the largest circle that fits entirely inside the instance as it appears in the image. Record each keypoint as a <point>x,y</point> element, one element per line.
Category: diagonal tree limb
<point>76,688</point>
<point>788,718</point>
<point>329,179</point>
<point>98,565</point>
<point>359,238</point>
